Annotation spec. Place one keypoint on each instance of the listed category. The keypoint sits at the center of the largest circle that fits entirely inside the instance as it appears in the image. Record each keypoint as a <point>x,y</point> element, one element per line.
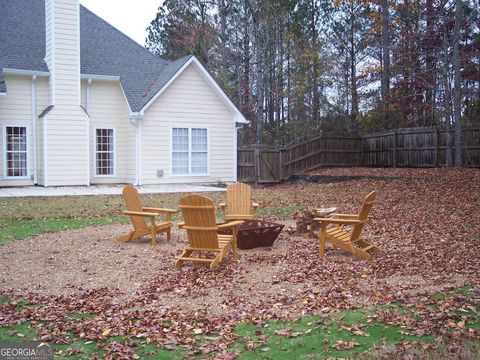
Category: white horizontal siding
<point>108,109</point>
<point>188,101</point>
<point>63,50</point>
<point>66,146</point>
<point>16,110</point>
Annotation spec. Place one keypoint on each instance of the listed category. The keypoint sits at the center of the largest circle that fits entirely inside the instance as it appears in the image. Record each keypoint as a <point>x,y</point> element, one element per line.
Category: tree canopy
<point>294,67</point>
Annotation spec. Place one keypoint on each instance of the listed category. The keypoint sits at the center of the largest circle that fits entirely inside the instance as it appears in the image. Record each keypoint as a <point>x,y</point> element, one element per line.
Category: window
<point>16,151</point>
<point>189,151</point>
<point>105,152</point>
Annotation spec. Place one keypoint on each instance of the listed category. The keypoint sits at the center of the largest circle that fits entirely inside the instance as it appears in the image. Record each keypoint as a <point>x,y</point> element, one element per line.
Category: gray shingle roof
<point>104,50</point>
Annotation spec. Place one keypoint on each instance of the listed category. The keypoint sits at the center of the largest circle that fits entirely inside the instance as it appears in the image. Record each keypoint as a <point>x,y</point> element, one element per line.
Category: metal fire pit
<point>255,233</point>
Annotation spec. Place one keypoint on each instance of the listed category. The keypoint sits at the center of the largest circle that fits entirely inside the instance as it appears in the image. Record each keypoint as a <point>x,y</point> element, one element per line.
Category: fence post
<point>256,165</point>
<point>437,147</point>
<point>395,149</point>
<point>280,165</point>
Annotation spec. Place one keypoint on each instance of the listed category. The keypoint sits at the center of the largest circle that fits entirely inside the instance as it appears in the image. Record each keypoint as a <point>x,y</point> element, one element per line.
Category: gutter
<point>235,151</point>
<point>87,105</point>
<point>134,119</point>
<point>25,72</point>
<point>38,73</point>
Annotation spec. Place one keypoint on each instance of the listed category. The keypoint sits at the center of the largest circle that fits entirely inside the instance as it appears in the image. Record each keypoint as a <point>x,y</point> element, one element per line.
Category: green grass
<point>20,229</point>
<point>319,338</point>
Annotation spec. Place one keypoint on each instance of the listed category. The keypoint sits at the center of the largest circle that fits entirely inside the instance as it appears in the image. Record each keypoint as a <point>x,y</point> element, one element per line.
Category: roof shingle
<point>104,50</point>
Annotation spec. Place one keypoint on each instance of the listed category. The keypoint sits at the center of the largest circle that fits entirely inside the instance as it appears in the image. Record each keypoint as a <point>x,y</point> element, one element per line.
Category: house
<point>81,104</point>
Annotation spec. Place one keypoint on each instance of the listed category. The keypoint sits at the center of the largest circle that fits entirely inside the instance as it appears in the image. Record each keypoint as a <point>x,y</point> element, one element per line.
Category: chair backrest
<point>239,196</point>
<point>198,214</point>
<point>363,214</point>
<point>132,200</point>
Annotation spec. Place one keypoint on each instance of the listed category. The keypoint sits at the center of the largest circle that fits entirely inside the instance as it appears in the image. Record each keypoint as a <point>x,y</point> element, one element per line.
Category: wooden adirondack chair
<point>239,205</point>
<point>138,215</point>
<point>199,220</point>
<point>348,240</point>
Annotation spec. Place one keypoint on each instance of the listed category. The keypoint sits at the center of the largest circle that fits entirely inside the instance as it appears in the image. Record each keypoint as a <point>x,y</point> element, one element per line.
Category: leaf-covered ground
<point>82,289</point>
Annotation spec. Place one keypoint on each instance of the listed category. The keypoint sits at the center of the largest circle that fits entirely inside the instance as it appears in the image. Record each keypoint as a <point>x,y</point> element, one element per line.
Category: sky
<point>131,17</point>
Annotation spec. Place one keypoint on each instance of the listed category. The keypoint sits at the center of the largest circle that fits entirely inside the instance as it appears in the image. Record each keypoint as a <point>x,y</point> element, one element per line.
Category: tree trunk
<point>353,73</point>
<point>447,100</point>
<point>430,65</point>
<point>385,80</point>
<point>222,12</point>
<point>457,112</point>
<point>258,79</point>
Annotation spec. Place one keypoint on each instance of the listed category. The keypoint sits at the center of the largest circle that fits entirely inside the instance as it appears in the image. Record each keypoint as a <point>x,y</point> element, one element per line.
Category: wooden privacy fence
<point>412,147</point>
<point>418,147</point>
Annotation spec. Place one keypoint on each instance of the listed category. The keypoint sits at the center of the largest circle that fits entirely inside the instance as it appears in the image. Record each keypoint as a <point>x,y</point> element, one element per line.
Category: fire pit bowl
<point>255,233</point>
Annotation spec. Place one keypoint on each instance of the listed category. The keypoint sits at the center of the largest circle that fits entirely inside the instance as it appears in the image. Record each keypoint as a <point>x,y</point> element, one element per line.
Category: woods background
<point>300,67</point>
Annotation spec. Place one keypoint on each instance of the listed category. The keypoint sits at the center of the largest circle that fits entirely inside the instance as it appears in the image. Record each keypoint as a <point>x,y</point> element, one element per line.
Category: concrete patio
<point>26,191</point>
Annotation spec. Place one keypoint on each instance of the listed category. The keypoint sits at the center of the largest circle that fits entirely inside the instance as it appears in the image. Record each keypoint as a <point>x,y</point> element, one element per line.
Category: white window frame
<point>114,152</point>
<point>190,127</point>
<point>4,138</point>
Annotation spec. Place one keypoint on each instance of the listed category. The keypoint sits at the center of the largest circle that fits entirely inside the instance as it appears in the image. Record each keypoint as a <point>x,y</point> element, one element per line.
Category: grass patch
<point>345,334</point>
<point>79,316</point>
<point>58,207</point>
<point>17,333</point>
<point>77,350</point>
<point>20,229</point>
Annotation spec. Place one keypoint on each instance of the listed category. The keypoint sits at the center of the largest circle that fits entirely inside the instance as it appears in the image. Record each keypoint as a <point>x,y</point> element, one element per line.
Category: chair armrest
<point>139,213</point>
<point>231,224</point>
<point>339,221</point>
<point>344,216</point>
<point>159,210</point>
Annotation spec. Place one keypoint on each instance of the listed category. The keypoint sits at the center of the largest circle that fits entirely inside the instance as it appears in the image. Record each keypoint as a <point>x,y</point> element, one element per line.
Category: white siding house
<point>81,104</point>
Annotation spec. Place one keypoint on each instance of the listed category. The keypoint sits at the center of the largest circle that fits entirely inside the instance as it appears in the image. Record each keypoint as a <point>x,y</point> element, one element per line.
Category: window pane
<point>180,163</point>
<point>16,150</point>
<point>180,139</point>
<point>105,152</point>
<point>199,139</point>
<point>199,163</point>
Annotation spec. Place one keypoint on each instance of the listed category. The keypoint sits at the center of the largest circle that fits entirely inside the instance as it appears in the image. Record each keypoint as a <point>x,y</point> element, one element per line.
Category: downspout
<point>34,130</point>
<point>134,119</point>
<point>235,151</point>
<point>87,107</point>
<point>139,153</point>
<point>45,152</point>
